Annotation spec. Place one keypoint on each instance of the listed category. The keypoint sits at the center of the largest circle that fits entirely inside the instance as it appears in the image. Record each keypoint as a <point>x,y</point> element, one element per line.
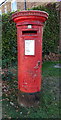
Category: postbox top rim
<point>32,12</point>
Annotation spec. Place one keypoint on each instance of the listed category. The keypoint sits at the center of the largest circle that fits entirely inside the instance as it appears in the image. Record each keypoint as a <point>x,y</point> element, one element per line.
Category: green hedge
<point>9,35</point>
<point>9,41</point>
<point>51,29</point>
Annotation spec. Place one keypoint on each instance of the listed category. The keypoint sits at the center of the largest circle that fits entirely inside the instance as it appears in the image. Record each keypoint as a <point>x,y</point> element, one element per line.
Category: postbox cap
<point>30,15</point>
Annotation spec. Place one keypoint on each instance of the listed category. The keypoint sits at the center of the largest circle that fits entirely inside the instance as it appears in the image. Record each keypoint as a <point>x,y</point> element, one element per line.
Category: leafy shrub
<point>7,76</point>
<point>51,29</point>
<point>9,42</point>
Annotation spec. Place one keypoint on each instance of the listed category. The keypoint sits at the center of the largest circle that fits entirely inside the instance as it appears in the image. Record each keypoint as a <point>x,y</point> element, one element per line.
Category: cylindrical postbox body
<point>29,36</point>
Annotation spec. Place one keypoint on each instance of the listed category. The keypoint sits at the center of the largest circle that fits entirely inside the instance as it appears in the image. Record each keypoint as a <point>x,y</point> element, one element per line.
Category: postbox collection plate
<point>29,47</point>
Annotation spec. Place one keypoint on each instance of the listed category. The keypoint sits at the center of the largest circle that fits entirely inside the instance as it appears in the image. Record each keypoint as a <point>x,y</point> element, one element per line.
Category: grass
<point>49,99</point>
<point>48,69</point>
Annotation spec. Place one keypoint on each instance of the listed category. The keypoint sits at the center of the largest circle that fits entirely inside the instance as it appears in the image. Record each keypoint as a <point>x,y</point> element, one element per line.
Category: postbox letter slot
<point>29,32</point>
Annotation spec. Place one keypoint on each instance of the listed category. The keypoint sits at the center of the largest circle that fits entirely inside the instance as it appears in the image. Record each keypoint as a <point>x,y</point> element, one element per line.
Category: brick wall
<point>20,5</point>
<point>8,4</point>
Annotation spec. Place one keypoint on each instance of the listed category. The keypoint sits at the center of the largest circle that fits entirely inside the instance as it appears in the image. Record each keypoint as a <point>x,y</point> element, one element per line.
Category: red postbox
<point>29,38</point>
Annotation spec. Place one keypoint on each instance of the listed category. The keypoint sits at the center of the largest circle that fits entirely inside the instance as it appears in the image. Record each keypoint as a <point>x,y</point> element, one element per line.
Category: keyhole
<point>38,63</point>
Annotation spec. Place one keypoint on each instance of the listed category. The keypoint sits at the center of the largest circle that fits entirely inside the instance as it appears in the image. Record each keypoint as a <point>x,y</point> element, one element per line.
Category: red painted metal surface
<point>29,65</point>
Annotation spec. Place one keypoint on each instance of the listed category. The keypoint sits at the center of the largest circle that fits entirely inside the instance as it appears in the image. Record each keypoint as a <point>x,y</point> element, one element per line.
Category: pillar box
<point>29,40</point>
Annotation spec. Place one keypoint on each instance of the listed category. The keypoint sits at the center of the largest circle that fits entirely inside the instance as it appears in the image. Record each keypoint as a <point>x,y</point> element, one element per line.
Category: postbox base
<point>28,100</point>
